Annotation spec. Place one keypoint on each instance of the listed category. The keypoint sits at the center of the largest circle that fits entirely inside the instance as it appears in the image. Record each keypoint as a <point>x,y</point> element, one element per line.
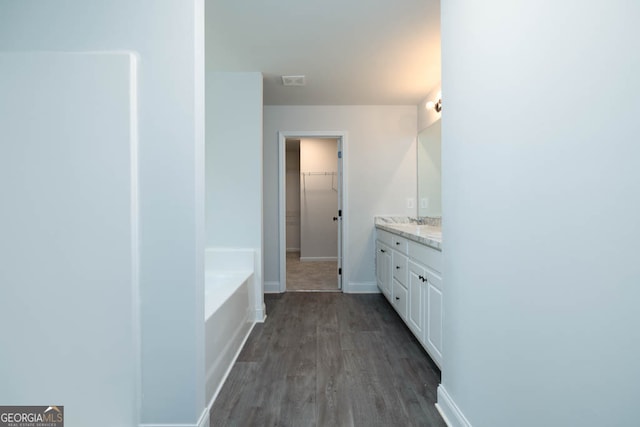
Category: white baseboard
<point>203,421</point>
<point>361,288</point>
<point>199,424</point>
<point>318,258</point>
<point>260,314</point>
<point>204,418</point>
<point>271,287</point>
<point>226,374</point>
<point>451,414</point>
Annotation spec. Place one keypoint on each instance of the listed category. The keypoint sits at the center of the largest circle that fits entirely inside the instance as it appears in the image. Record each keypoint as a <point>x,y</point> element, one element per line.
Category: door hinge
<point>340,272</point>
<point>340,213</point>
<point>339,154</point>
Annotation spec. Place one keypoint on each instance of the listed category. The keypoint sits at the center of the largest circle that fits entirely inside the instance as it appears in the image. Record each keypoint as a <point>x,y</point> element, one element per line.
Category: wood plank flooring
<point>330,359</point>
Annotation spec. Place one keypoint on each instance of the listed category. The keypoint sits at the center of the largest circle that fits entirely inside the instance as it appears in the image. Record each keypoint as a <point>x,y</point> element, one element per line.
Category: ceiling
<point>352,52</point>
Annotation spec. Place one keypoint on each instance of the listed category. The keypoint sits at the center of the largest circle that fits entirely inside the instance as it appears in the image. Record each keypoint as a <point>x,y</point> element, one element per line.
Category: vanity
<point>409,252</point>
<point>408,273</point>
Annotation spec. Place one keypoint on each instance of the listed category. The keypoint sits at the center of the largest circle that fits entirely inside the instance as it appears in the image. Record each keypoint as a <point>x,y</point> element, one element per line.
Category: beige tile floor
<point>311,275</point>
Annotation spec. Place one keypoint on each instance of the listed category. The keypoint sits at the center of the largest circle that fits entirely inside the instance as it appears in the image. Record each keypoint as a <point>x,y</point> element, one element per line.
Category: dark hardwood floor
<point>330,359</point>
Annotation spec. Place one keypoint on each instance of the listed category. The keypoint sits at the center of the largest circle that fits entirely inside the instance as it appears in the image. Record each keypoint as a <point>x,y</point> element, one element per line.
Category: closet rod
<point>317,173</point>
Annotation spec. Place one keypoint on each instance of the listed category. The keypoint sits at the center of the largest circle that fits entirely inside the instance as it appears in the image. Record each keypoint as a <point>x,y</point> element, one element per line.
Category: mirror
<point>430,171</point>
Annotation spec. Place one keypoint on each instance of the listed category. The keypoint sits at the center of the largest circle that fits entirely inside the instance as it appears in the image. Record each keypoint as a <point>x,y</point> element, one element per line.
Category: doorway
<point>311,211</point>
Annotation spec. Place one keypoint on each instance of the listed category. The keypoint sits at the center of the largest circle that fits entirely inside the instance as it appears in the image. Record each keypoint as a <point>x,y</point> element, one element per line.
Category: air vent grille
<point>293,80</point>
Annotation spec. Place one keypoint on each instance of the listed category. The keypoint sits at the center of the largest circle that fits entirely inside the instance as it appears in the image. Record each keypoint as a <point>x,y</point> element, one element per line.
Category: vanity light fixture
<point>436,104</point>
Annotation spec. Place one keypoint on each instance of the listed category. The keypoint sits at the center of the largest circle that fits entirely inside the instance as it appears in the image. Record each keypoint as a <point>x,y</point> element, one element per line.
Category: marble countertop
<point>427,231</point>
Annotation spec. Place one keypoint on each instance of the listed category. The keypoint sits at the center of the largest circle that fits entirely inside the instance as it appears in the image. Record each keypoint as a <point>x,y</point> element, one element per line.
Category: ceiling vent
<point>293,80</point>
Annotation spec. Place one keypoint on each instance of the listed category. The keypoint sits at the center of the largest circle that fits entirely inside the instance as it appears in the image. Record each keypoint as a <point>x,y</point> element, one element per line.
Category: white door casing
<point>341,136</point>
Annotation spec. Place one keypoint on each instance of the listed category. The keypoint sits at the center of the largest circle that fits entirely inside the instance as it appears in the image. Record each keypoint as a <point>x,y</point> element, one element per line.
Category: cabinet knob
<point>398,243</point>
<point>382,250</point>
<point>397,267</point>
<point>397,298</point>
<point>421,278</point>
<point>424,279</point>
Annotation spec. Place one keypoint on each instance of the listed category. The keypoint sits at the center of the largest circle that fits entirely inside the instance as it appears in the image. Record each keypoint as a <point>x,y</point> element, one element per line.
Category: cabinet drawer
<point>400,299</point>
<point>400,267</point>
<point>425,255</point>
<point>399,243</point>
<point>384,237</point>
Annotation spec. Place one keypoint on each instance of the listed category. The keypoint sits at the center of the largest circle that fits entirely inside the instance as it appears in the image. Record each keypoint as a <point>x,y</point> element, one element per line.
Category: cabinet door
<point>383,269</point>
<point>434,317</point>
<point>416,300</point>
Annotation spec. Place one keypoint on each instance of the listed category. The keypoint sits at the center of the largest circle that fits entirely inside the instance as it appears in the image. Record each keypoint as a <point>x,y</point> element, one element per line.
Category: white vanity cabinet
<point>400,299</point>
<point>383,269</point>
<point>400,264</point>
<point>433,321</point>
<point>417,300</point>
<point>408,274</point>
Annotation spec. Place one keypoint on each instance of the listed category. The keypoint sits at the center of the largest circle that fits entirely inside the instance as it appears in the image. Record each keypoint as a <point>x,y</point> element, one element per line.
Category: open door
<point>339,213</point>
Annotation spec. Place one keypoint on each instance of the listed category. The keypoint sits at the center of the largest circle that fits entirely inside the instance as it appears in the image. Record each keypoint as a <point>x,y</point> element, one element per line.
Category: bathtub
<point>228,318</point>
<point>219,287</point>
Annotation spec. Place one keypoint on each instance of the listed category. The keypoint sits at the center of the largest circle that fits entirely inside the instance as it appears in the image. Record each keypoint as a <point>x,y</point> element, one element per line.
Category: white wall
<point>541,200</point>
<point>318,199</point>
<point>234,167</point>
<point>68,225</point>
<point>380,164</point>
<point>292,187</point>
<point>168,38</point>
